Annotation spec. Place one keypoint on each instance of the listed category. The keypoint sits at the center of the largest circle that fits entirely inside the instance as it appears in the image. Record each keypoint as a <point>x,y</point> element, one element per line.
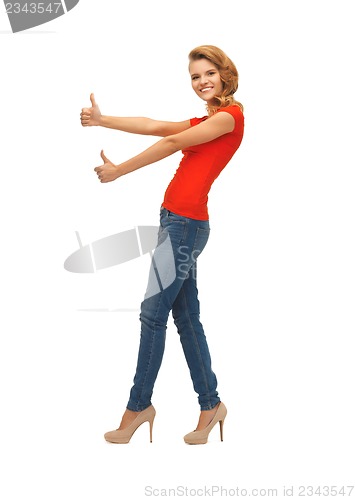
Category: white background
<point>276,279</point>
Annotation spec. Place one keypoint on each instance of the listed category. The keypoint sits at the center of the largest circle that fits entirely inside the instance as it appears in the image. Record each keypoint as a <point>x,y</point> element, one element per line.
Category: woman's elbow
<point>172,144</point>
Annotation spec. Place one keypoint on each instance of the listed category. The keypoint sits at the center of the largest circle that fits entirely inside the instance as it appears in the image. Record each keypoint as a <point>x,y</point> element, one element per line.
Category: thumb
<point>106,160</point>
<point>92,99</point>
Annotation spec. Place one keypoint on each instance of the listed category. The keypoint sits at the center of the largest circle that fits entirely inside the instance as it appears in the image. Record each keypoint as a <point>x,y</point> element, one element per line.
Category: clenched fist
<point>91,116</point>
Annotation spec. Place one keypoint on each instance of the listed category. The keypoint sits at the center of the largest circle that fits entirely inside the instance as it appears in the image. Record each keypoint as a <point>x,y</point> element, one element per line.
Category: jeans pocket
<point>201,238</point>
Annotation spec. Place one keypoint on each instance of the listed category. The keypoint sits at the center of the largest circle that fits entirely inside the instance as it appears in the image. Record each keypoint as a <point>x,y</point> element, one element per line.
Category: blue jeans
<point>172,287</point>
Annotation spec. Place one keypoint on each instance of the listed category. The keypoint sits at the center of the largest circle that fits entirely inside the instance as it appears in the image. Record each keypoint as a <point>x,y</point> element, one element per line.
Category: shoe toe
<point>188,437</point>
<point>109,436</point>
<point>195,437</point>
<point>118,437</point>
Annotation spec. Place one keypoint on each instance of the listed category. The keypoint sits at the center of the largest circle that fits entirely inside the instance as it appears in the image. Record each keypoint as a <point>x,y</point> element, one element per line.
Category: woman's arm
<point>145,126</point>
<point>210,129</point>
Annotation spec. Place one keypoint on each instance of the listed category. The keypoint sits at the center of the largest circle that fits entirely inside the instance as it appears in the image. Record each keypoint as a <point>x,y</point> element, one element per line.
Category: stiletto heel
<point>123,436</point>
<point>221,422</point>
<point>201,437</point>
<point>151,428</point>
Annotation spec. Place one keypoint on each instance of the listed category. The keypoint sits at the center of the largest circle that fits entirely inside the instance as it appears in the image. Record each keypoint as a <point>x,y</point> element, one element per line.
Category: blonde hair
<point>227,71</point>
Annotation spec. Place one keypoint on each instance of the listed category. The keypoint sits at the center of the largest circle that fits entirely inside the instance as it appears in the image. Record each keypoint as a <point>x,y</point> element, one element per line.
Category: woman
<point>207,144</point>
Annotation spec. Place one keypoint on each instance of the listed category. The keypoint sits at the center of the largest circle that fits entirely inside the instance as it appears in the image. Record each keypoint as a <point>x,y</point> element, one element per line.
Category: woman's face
<point>205,79</point>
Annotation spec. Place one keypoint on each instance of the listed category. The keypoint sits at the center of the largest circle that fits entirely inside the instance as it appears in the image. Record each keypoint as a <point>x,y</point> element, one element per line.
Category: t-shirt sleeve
<point>235,111</point>
<point>196,121</point>
<point>232,110</point>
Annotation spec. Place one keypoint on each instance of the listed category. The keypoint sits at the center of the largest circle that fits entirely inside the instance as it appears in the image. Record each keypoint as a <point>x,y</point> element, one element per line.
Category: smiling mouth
<point>206,89</point>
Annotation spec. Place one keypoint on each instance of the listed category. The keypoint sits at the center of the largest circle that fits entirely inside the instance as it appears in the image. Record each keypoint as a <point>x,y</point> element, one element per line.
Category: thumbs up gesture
<point>91,116</point>
<point>108,171</point>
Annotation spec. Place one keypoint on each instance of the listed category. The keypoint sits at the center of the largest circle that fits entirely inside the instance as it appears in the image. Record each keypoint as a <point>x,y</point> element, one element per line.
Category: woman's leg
<point>170,267</point>
<point>186,314</point>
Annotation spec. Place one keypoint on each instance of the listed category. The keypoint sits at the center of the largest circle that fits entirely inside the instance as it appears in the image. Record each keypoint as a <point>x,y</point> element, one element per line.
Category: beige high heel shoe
<point>201,437</point>
<point>123,436</point>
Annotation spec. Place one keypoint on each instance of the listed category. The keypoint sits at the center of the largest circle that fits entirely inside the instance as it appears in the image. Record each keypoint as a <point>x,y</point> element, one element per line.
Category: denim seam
<point>150,351</point>
<point>198,351</point>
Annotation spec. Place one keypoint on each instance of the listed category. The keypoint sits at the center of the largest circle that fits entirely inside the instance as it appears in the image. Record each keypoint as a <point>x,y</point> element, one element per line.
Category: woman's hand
<point>91,116</point>
<point>108,171</point>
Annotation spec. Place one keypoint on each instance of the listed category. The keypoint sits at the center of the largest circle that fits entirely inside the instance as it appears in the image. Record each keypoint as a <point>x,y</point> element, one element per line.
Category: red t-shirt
<point>187,193</point>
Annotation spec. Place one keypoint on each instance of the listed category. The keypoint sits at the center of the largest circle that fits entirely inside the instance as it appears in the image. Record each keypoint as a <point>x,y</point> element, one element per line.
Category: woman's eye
<point>211,73</point>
